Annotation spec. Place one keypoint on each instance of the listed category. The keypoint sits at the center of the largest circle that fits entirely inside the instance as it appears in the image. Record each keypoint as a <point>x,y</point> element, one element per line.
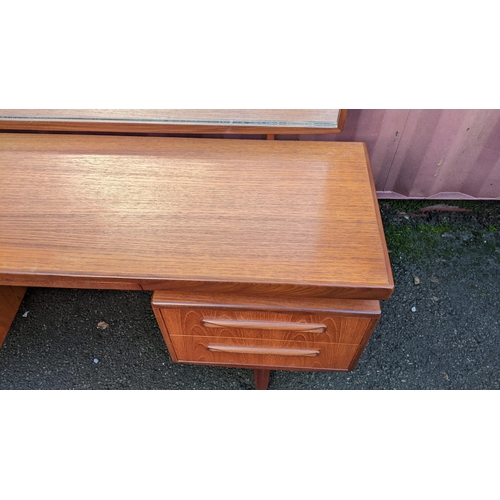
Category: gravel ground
<point>439,330</point>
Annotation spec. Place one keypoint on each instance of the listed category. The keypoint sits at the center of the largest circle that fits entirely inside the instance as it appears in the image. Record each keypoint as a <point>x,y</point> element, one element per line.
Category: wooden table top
<point>280,217</point>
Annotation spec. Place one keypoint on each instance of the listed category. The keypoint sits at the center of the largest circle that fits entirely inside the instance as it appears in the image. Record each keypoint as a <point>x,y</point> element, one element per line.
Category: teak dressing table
<point>264,254</point>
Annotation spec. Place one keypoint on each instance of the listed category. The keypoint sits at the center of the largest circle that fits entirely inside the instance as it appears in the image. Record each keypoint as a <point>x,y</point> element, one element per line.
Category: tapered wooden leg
<point>10,300</point>
<point>261,378</point>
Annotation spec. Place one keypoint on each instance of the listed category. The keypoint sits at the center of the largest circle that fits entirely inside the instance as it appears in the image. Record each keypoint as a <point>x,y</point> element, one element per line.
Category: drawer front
<point>263,353</point>
<point>260,325</point>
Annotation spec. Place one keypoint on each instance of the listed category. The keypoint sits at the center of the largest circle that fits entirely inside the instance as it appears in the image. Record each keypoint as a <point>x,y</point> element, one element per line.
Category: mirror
<point>240,121</point>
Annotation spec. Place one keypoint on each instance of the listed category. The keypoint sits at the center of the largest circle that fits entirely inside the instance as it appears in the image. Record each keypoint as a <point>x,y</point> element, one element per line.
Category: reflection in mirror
<point>176,120</point>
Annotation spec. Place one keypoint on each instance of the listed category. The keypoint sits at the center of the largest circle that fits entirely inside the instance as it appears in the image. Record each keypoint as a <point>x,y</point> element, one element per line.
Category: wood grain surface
<point>338,329</point>
<point>261,378</point>
<point>275,338</point>
<point>271,351</point>
<point>176,120</point>
<point>260,324</point>
<point>286,304</point>
<point>148,213</point>
<point>270,354</point>
<point>10,300</point>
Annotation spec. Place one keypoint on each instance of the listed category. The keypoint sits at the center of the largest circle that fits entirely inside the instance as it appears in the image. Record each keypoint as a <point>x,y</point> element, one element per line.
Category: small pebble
<point>413,309</point>
<point>25,315</point>
<point>96,360</point>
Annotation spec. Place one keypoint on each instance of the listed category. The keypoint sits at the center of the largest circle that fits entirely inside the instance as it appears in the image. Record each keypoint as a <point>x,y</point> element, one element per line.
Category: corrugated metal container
<point>434,154</point>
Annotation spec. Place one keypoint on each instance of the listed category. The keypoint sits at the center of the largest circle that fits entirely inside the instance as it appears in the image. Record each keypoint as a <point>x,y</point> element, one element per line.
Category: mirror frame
<point>133,122</point>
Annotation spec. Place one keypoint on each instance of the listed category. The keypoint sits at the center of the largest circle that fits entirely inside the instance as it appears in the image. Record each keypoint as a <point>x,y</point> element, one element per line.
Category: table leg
<point>261,379</point>
<point>10,300</point>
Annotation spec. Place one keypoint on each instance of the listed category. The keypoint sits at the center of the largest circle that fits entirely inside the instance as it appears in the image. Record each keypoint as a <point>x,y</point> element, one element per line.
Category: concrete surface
<point>440,329</point>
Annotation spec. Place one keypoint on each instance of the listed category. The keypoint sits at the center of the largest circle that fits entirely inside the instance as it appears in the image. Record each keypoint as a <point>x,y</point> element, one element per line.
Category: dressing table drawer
<point>255,353</point>
<point>308,334</point>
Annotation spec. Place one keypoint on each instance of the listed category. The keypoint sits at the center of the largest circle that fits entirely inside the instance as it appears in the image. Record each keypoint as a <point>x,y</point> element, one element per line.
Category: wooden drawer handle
<point>264,325</point>
<point>262,350</point>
